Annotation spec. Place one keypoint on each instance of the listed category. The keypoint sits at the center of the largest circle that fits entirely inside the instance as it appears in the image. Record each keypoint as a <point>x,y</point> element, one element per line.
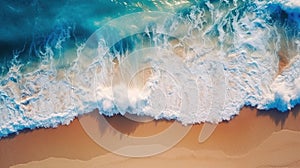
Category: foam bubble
<point>208,63</point>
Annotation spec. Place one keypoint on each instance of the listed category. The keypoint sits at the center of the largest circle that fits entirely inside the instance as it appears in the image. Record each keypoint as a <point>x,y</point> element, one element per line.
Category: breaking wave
<point>191,61</point>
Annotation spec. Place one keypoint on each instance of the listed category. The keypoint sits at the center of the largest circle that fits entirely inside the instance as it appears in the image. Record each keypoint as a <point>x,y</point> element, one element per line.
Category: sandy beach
<point>252,139</point>
<point>161,58</point>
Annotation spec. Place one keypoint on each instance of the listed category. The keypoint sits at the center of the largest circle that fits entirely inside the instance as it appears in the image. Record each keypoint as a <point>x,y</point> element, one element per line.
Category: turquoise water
<point>207,59</point>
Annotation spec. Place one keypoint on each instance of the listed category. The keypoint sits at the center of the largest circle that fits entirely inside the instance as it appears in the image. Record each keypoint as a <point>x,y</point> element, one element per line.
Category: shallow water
<point>206,59</point>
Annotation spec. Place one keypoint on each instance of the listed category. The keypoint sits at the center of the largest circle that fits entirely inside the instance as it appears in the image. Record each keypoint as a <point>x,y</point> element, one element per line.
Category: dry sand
<point>251,139</point>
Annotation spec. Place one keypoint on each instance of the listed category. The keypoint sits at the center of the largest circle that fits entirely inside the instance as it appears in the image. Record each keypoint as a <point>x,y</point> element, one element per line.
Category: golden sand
<point>251,139</point>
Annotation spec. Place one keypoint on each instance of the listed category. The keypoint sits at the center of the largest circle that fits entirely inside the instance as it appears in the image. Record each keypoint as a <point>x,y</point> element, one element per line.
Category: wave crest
<point>226,57</point>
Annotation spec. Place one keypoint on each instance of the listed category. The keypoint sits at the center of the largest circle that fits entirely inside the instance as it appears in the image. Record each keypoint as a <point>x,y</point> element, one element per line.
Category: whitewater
<point>192,62</point>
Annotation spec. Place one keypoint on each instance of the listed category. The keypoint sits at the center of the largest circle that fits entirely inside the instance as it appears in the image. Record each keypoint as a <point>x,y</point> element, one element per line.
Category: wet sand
<point>252,139</point>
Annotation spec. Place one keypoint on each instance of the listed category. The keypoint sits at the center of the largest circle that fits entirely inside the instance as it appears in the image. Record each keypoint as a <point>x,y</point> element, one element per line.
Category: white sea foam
<point>227,59</point>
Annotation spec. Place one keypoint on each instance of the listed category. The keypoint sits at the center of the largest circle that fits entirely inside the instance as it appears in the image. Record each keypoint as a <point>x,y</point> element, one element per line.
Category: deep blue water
<point>228,50</point>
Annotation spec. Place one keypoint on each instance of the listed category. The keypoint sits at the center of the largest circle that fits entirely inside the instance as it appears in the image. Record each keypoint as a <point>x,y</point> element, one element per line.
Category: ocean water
<point>192,61</point>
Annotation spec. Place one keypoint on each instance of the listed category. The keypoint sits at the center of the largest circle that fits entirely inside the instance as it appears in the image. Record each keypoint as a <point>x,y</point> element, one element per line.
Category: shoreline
<point>246,132</point>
